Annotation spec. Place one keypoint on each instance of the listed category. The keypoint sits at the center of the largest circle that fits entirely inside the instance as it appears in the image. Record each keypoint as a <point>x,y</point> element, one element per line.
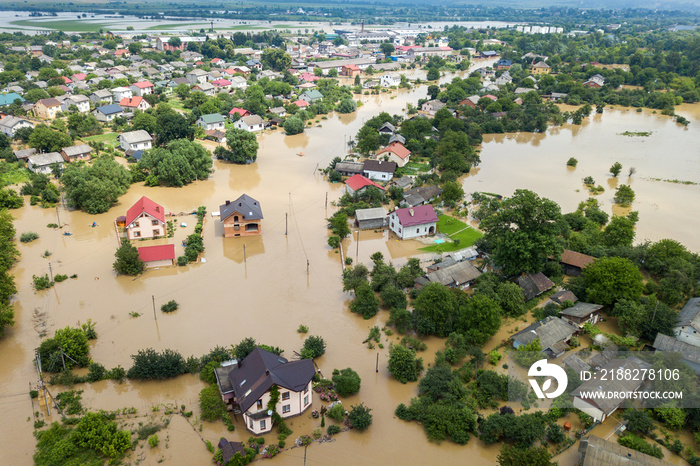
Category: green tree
<point>242,147</point>
<point>346,106</point>
<point>619,232</point>
<point>509,297</point>
<point>435,310</point>
<point>616,169</point>
<point>365,303</point>
<point>96,187</point>
<point>276,59</point>
<point>452,192</point>
<point>211,406</point>
<point>532,456</point>
<point>171,126</point>
<point>479,318</point>
<point>182,162</point>
<point>346,382</point>
<point>44,139</point>
<point>182,90</point>
<point>524,232</point>
<point>174,42</point>
<point>149,364</point>
<point>74,344</point>
<point>314,346</point>
<point>433,74</point>
<point>610,279</point>
<point>387,48</point>
<point>638,421</point>
<point>624,195</point>
<point>144,121</point>
<point>293,125</point>
<point>403,364</point>
<point>360,417</point>
<point>128,261</point>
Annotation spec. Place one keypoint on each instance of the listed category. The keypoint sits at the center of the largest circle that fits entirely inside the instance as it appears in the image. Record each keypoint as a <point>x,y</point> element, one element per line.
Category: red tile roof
<point>241,111</point>
<point>397,149</point>
<point>143,84</point>
<point>145,205</point>
<point>157,253</point>
<point>358,182</point>
<point>417,215</point>
<point>300,103</point>
<point>66,80</point>
<point>221,82</point>
<point>79,76</point>
<point>134,102</point>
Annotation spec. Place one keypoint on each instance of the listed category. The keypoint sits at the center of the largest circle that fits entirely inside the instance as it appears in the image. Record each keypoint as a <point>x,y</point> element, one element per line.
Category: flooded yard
<point>289,276</point>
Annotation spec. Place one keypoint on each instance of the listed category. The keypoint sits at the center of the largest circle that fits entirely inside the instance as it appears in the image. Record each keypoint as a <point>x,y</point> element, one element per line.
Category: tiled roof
<point>397,149</point>
<point>356,182</point>
<point>145,205</point>
<point>418,215</point>
<point>157,253</point>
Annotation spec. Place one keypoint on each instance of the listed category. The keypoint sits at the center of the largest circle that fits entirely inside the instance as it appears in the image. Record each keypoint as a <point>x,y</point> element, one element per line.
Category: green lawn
<point>72,25</point>
<point>107,138</point>
<point>12,174</point>
<point>456,230</point>
<point>420,167</point>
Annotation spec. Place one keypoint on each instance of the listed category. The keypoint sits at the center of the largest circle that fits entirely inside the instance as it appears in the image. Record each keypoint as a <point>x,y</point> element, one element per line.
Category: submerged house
<point>594,451</point>
<point>245,384</point>
<point>414,221</point>
<point>145,219</point>
<point>455,275</point>
<point>553,333</point>
<point>241,217</point>
<point>371,219</point>
<point>581,313</point>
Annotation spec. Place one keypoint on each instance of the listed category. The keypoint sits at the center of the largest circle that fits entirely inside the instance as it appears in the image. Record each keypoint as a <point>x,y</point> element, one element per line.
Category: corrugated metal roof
<point>687,351</point>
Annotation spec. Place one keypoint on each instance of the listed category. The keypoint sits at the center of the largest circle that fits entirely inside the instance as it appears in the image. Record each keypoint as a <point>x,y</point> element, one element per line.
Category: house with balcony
<point>242,217</point>
<point>245,386</point>
<point>145,219</point>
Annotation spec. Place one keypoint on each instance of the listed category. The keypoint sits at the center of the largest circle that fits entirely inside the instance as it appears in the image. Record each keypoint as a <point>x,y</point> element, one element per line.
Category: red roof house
<point>145,219</point>
<point>135,103</point>
<point>79,77</point>
<point>301,103</point>
<point>412,222</point>
<point>156,256</point>
<point>396,152</point>
<point>66,80</point>
<point>241,111</point>
<point>142,88</point>
<point>308,77</point>
<point>357,183</point>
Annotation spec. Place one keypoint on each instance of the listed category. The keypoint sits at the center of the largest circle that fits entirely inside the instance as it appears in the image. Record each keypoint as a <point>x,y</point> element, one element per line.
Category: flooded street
<point>268,293</point>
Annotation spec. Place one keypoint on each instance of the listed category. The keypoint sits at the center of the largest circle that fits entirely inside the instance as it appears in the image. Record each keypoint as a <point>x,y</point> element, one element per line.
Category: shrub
<point>635,443</point>
<point>314,347</point>
<point>182,260</point>
<point>96,372</point>
<point>33,394</point>
<point>211,405</point>
<point>28,237</point>
<point>334,241</point>
<point>346,382</point>
<point>303,328</point>
<point>153,440</point>
<point>170,306</point>
<point>332,430</point>
<point>572,162</point>
<point>360,417</point>
<point>41,283</point>
<point>403,364</point>
<point>60,278</point>
<point>149,364</point>
<point>337,412</point>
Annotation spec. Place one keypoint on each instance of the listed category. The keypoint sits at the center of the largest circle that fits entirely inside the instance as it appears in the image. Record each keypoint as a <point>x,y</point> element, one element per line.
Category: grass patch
<point>63,25</point>
<point>459,232</point>
<point>636,133</point>
<point>175,26</point>
<point>107,138</point>
<point>417,167</point>
<point>13,173</point>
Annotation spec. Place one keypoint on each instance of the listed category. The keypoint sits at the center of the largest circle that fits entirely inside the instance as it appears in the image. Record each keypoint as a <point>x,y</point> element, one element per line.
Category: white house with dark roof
<point>247,384</point>
<point>135,140</point>
<point>552,332</point>
<point>10,124</point>
<point>43,163</point>
<point>379,170</point>
<point>688,327</point>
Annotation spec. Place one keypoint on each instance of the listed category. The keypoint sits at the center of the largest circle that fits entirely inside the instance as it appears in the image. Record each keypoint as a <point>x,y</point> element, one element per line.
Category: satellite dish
<point>269,412</point>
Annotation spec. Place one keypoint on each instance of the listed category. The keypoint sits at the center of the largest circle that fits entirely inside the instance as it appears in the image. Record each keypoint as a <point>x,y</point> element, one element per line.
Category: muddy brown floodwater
<point>267,295</point>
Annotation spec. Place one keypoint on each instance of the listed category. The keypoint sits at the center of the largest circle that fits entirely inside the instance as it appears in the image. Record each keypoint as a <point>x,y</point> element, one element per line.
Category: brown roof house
<point>534,284</point>
<point>600,407</point>
<point>241,217</point>
<point>553,333</point>
<point>594,451</point>
<point>47,108</point>
<point>574,262</point>
<point>77,152</point>
<point>247,383</point>
<point>581,313</point>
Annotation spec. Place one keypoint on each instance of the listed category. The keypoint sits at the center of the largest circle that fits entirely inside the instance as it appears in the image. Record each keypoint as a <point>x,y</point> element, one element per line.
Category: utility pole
<point>58,218</point>
<point>286,215</point>
<point>376,369</point>
<point>50,271</point>
<point>305,447</point>
<point>244,256</point>
<point>153,297</point>
<point>326,199</point>
<point>307,266</point>
<point>357,246</point>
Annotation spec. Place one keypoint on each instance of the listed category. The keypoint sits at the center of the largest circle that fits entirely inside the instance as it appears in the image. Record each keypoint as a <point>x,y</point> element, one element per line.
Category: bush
<point>182,260</point>
<point>314,347</point>
<point>334,241</point>
<point>28,237</point>
<point>346,381</point>
<point>360,417</point>
<point>211,405</point>
<point>332,430</point>
<point>170,306</point>
<point>337,412</point>
<point>302,329</point>
<point>635,443</point>
<point>96,372</point>
<point>153,440</point>
<point>403,364</point>
<point>41,283</point>
<point>60,278</point>
<point>149,364</point>
<point>572,162</point>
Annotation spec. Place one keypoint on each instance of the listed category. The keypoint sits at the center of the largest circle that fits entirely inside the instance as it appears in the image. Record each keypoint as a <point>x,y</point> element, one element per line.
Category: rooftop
<point>417,215</point>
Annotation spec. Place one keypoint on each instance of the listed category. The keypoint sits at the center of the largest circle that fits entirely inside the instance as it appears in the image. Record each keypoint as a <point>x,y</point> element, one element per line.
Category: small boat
<point>300,154</point>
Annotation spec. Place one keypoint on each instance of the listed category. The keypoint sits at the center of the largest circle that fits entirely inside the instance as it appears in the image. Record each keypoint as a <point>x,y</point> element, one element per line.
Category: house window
<point>285,396</point>
<point>154,222</point>
<point>306,400</point>
<point>306,390</point>
<point>259,404</point>
<point>262,424</point>
<point>136,224</point>
<point>251,423</point>
<point>137,234</point>
<point>286,409</point>
<point>417,230</point>
<point>156,232</point>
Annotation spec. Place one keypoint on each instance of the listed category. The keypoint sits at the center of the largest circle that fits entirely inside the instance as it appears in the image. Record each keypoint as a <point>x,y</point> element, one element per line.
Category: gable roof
<point>540,64</point>
<point>595,452</point>
<point>687,351</point>
<point>301,103</point>
<point>252,120</point>
<point>457,274</point>
<point>418,215</point>
<point>241,111</point>
<point>51,102</point>
<point>388,126</point>
<point>357,182</point>
<point>212,118</point>
<point>7,99</point>
<point>581,310</point>
<point>549,331</point>
<point>565,295</point>
<point>313,94</point>
<point>157,253</point>
<point>371,213</point>
<point>110,109</point>
<point>245,205</point>
<point>131,137</point>
<point>47,158</point>
<point>261,369</point>
<point>534,284</point>
<point>78,149</point>
<point>379,166</point>
<point>576,259</point>
<point>145,205</point>
<point>690,314</point>
<point>608,405</point>
<point>397,149</point>
<point>131,102</point>
<point>143,84</point>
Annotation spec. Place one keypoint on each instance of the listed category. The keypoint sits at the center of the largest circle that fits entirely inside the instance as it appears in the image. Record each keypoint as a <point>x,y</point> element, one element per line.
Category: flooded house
<point>594,451</point>
<point>349,168</point>
<point>582,313</point>
<point>145,219</point>
<point>371,219</point>
<point>688,327</point>
<point>241,217</point>
<point>421,196</point>
<point>358,183</point>
<point>135,140</point>
<point>245,386</point>
<point>250,123</point>
<point>43,163</point>
<point>455,275</point>
<point>574,262</point>
<point>396,152</point>
<point>379,170</point>
<point>552,332</point>
<point>534,284</point>
<point>157,256</point>
<point>413,222</point>
<point>689,354</point>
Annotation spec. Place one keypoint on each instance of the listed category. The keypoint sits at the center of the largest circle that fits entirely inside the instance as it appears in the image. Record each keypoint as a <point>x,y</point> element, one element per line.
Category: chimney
<point>267,372</point>
<point>238,363</point>
<point>228,202</point>
<point>411,212</point>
